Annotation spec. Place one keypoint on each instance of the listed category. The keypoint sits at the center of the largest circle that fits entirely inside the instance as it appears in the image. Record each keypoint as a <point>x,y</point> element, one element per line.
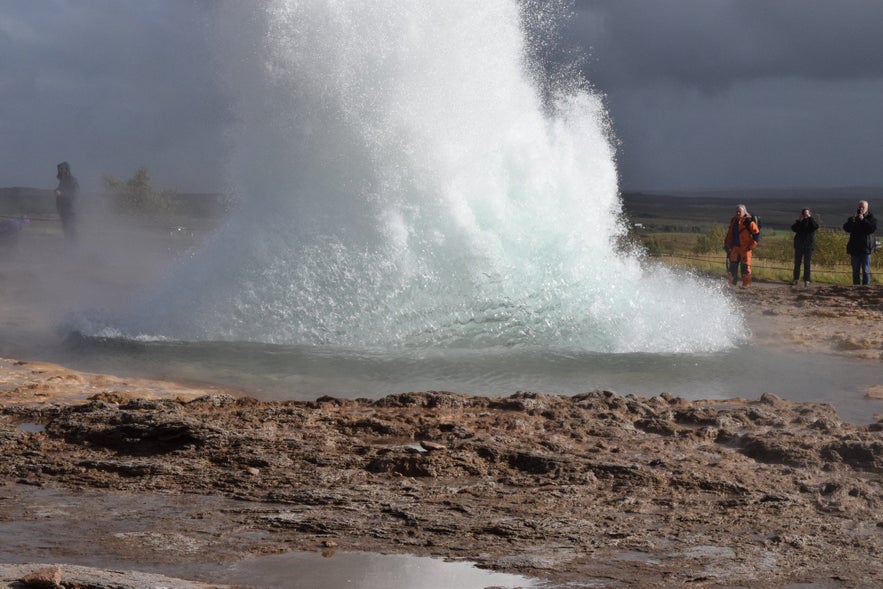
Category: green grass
<point>688,230</point>
<point>773,259</point>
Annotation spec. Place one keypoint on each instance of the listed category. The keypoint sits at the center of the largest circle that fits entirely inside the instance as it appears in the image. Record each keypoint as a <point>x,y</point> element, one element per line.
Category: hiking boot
<point>794,282</point>
<point>807,283</point>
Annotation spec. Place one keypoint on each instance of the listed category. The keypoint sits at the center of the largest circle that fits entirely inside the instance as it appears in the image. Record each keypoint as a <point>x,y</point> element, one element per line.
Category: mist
<point>50,284</point>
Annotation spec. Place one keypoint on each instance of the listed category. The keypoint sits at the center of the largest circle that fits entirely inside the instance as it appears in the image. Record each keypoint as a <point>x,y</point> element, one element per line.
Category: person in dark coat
<point>804,229</point>
<point>65,199</point>
<point>861,227</point>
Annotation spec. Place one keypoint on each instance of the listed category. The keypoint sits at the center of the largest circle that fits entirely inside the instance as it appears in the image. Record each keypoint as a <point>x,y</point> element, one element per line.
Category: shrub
<point>712,241</point>
<point>652,247</point>
<point>830,247</point>
<point>779,249</point>
<point>136,195</point>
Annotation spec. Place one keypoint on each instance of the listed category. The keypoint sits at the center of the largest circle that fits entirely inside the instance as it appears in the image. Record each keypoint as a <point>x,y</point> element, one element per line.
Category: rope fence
<point>50,218</point>
<point>756,263</point>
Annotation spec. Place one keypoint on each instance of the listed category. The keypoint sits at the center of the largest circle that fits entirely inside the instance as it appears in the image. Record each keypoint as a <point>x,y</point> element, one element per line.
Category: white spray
<point>403,184</point>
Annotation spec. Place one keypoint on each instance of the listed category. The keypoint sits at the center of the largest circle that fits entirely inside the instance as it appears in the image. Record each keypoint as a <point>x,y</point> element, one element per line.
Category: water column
<point>402,183</point>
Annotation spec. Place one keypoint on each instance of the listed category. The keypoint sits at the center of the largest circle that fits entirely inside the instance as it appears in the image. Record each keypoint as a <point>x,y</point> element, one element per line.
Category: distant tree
<point>137,196</point>
<point>653,247</point>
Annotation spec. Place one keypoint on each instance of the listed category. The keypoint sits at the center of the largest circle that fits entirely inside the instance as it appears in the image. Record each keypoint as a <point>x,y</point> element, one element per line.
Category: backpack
<point>756,219</point>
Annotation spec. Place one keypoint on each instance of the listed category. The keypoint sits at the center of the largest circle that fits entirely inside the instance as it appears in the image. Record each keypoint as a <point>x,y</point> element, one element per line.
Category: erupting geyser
<point>404,183</point>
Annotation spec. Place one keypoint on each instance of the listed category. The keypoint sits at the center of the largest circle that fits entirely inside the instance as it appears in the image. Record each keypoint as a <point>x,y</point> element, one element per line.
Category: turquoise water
<point>277,372</point>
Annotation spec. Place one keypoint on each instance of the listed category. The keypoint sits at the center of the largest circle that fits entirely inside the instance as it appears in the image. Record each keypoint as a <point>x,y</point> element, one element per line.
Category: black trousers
<point>804,255</point>
<point>65,207</point>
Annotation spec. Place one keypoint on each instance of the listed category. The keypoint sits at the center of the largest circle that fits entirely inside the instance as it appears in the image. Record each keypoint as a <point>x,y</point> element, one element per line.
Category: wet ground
<point>171,534</point>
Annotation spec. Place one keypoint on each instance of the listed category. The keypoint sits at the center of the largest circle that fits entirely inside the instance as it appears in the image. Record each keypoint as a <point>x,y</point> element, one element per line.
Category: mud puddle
<point>199,538</point>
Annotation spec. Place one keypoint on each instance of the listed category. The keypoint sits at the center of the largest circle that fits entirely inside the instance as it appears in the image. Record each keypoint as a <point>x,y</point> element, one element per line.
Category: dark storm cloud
<point>738,93</point>
<point>110,86</point>
<point>711,44</point>
<point>725,93</point>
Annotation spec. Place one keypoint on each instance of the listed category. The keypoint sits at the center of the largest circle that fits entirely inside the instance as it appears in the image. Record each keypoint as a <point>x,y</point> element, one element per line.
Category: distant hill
<point>857,192</point>
<point>19,200</point>
<point>686,211</point>
<point>677,211</point>
<point>202,204</point>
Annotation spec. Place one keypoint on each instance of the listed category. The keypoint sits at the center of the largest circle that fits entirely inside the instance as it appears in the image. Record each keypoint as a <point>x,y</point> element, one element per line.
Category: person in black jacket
<point>861,227</point>
<point>804,229</point>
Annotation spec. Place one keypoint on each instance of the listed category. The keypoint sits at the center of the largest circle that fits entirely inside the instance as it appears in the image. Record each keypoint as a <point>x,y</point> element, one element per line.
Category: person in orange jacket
<point>740,240</point>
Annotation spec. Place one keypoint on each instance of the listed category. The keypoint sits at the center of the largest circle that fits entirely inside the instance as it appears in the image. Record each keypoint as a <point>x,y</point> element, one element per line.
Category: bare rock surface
<point>842,320</point>
<point>594,488</point>
<point>41,576</point>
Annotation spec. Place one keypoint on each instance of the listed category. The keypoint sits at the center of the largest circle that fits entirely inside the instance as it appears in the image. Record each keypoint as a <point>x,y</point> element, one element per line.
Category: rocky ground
<point>598,489</point>
<point>594,488</point>
<point>842,320</point>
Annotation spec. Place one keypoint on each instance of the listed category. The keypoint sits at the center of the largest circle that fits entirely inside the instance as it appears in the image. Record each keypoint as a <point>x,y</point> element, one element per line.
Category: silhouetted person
<point>65,199</point>
<point>861,227</point>
<point>804,229</point>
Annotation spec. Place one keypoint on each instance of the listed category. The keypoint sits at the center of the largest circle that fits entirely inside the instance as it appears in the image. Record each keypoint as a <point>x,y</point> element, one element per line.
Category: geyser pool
<point>403,183</point>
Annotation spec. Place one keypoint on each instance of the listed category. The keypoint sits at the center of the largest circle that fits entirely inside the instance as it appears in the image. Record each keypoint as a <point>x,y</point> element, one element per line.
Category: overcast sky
<point>740,93</point>
<point>702,93</point>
